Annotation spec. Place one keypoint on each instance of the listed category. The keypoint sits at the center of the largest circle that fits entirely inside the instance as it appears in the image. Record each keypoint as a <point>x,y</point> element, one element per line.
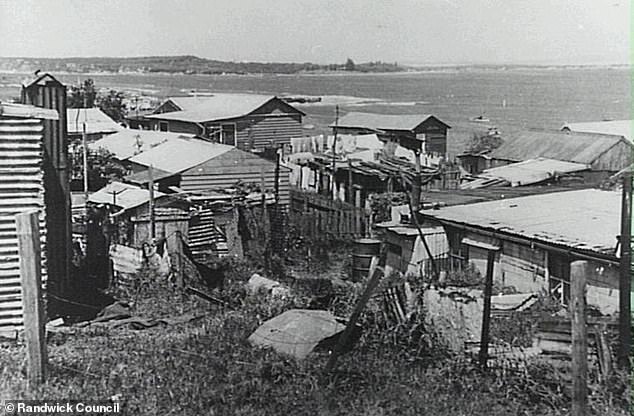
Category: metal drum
<point>362,252</point>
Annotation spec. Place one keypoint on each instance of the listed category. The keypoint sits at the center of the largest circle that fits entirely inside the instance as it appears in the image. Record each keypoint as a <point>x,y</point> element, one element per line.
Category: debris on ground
<point>298,332</point>
<point>514,302</point>
<point>274,288</point>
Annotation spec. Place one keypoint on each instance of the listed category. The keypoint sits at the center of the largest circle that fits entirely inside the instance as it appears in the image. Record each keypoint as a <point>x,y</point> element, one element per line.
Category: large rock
<point>297,332</point>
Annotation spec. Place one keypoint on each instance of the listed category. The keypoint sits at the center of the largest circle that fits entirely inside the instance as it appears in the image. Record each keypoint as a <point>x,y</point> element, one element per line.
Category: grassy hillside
<point>187,64</point>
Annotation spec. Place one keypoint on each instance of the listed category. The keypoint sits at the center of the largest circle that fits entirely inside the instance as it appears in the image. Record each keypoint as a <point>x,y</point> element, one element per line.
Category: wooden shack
<point>246,121</point>
<point>422,133</point>
<point>603,153</point>
<point>195,165</point>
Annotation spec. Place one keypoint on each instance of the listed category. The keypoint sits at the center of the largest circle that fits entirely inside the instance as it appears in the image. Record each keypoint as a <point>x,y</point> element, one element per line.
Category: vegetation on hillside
<point>184,65</point>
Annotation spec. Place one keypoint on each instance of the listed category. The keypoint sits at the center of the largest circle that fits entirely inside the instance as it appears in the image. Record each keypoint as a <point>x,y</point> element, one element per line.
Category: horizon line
<point>401,63</point>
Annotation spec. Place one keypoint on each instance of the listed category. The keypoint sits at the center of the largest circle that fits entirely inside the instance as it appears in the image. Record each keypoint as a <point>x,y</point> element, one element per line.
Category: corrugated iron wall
<point>47,92</point>
<point>21,189</point>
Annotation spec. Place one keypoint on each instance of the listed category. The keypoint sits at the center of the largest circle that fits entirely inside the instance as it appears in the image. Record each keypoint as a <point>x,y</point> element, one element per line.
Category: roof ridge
<point>561,132</point>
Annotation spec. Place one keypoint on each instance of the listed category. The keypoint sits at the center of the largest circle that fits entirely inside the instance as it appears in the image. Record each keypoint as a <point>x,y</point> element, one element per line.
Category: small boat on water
<point>480,119</point>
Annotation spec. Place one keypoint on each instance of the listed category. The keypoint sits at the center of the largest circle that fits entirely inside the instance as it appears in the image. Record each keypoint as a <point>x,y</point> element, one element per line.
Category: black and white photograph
<point>316,207</point>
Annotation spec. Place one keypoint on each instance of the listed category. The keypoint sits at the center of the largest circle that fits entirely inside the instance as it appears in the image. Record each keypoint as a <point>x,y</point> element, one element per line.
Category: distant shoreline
<point>410,71</point>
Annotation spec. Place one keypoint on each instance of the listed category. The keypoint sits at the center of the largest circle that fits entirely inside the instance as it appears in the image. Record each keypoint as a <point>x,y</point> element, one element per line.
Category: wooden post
<point>350,197</point>
<point>415,196</point>
<point>578,273</point>
<point>486,313</point>
<point>625,280</point>
<point>277,177</point>
<point>376,273</point>
<point>28,232</point>
<point>179,259</point>
<point>151,206</point>
<point>84,151</point>
<point>413,213</point>
<point>334,153</point>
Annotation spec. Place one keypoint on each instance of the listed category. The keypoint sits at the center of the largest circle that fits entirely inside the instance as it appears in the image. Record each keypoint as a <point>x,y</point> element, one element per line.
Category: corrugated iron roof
<point>27,111</point>
<point>179,154</point>
<point>524,173</point>
<point>143,177</point>
<point>617,127</point>
<point>129,142</point>
<point>96,121</point>
<point>371,121</point>
<point>127,196</point>
<point>587,219</point>
<point>582,148</point>
<point>215,107</point>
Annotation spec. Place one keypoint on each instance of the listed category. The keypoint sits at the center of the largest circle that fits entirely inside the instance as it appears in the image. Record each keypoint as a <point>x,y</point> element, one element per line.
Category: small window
<point>163,126</point>
<point>229,134</point>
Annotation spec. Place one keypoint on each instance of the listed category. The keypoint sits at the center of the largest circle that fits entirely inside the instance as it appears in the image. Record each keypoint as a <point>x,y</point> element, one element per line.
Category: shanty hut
<point>195,165</point>
<point>129,205</point>
<point>424,133</point>
<point>22,189</point>
<point>536,237</point>
<point>603,153</point>
<point>246,121</point>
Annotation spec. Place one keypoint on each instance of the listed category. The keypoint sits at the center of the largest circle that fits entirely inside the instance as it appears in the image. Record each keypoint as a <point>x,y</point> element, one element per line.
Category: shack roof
<point>179,154</point>
<point>582,148</point>
<point>587,219</point>
<point>127,196</point>
<point>27,111</point>
<point>217,107</point>
<point>96,121</point>
<point>129,142</point>
<point>617,127</point>
<point>528,172</point>
<point>378,122</point>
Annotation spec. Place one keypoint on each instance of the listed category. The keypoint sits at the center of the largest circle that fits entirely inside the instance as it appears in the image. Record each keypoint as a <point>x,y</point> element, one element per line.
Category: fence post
<point>578,273</point>
<point>179,262</point>
<point>625,280</point>
<point>375,274</point>
<point>486,313</point>
<point>28,232</point>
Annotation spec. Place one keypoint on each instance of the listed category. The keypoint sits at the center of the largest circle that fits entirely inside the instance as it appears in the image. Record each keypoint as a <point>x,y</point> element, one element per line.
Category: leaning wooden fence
<point>315,214</point>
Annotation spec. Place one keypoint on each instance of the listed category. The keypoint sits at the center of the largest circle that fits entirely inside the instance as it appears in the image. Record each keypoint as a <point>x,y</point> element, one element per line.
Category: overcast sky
<point>322,31</point>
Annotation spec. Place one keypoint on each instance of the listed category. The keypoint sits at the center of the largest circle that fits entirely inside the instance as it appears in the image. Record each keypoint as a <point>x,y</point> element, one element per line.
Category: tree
<point>350,66</point>
<point>112,105</point>
<point>86,96</point>
<point>103,167</point>
<point>82,96</point>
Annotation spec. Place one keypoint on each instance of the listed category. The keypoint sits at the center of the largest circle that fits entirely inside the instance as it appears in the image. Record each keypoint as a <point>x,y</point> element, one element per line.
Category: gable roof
<point>129,142</point>
<point>96,121</point>
<point>372,121</point>
<point>553,218</point>
<point>617,127</point>
<point>179,154</point>
<point>217,107</point>
<point>127,196</point>
<point>582,148</point>
<point>42,79</point>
